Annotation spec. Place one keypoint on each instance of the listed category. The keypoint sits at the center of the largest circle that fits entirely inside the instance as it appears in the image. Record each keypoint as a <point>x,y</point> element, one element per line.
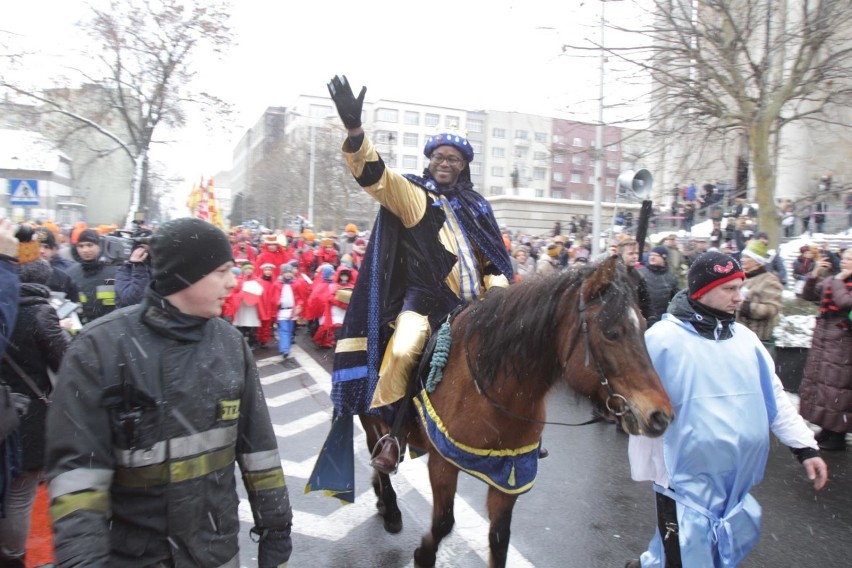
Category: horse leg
<point>443,477</point>
<point>386,503</point>
<point>500,507</point>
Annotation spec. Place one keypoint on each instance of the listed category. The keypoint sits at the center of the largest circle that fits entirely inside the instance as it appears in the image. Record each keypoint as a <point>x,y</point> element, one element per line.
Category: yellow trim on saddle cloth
<point>351,344</point>
<point>512,471</point>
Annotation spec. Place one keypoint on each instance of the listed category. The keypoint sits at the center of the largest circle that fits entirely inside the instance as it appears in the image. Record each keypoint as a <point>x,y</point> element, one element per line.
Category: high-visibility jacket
<point>152,409</point>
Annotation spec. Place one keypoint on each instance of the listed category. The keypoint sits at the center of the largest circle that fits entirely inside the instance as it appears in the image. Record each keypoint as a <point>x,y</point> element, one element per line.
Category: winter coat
<point>9,287</point>
<point>154,410</point>
<point>277,257</point>
<point>37,344</point>
<point>59,281</point>
<point>96,284</point>
<point>131,279</point>
<point>662,287</point>
<point>825,393</point>
<point>761,309</point>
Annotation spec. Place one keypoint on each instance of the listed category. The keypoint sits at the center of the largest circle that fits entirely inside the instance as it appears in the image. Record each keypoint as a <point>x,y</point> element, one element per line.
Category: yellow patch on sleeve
<point>229,409</point>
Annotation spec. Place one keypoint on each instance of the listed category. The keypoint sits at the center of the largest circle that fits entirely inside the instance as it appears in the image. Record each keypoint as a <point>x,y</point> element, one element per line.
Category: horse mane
<point>516,331</point>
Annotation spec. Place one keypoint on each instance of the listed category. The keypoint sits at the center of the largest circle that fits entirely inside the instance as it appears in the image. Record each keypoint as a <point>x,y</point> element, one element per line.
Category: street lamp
<point>599,151</point>
<point>311,170</point>
<point>312,157</point>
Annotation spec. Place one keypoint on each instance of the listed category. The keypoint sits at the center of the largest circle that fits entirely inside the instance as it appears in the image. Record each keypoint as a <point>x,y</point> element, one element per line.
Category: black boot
<point>386,455</point>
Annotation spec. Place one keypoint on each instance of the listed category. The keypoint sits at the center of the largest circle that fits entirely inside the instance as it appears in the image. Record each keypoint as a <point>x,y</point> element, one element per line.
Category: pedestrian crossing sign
<point>23,192</point>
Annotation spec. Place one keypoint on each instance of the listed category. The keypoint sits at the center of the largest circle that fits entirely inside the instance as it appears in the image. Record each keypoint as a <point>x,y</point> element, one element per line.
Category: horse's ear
<point>599,280</point>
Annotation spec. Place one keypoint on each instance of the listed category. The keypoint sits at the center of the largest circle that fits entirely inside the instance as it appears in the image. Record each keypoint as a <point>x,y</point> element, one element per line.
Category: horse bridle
<point>611,394</point>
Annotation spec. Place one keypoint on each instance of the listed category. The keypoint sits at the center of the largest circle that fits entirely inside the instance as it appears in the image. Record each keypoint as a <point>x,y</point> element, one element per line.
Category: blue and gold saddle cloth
<point>511,471</point>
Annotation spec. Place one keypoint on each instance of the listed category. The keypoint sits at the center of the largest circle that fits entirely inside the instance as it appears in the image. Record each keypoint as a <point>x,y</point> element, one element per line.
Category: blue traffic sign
<point>23,192</point>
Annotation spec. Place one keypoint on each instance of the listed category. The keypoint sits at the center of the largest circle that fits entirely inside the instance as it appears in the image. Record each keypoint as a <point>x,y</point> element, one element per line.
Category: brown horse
<point>507,352</point>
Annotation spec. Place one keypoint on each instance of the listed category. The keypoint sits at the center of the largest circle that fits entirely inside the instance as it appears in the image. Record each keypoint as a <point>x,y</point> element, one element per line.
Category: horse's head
<point>610,346</point>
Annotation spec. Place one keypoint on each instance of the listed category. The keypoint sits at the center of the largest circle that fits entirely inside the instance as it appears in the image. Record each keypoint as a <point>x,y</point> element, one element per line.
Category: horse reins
<point>611,394</point>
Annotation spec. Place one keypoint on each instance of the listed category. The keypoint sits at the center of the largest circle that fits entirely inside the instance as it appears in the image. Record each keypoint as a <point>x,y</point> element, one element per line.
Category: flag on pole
<point>193,199</point>
<point>215,216</point>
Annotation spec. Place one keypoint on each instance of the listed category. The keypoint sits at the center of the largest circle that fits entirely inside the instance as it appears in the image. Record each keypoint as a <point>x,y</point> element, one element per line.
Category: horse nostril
<point>658,422</point>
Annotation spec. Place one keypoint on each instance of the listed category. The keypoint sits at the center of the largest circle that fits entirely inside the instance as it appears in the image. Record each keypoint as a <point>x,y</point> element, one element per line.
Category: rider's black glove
<point>348,107</point>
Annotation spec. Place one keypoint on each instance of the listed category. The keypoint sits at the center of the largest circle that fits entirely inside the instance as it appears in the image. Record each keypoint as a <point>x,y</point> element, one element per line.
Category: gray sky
<point>499,54</point>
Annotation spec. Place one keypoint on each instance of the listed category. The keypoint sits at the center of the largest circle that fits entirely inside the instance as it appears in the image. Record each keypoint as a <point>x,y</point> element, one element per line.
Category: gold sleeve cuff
<point>498,280</point>
<point>393,191</point>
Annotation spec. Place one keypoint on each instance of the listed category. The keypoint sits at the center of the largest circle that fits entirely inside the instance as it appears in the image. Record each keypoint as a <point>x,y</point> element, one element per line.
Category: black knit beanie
<point>712,269</point>
<point>184,251</point>
<point>89,236</point>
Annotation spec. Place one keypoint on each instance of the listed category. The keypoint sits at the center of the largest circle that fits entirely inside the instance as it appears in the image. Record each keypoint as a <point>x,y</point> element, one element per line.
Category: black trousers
<point>667,523</point>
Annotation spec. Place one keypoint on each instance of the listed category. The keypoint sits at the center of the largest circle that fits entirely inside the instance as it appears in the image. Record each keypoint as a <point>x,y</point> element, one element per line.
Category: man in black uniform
<point>155,404</point>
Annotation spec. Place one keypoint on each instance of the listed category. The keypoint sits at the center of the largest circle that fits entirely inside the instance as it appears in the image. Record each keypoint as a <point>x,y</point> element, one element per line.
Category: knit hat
<point>27,245</point>
<point>662,251</point>
<point>267,265</point>
<point>359,242</point>
<point>351,228</point>
<point>89,236</point>
<point>184,251</point>
<point>35,272</point>
<point>46,237</point>
<point>712,269</point>
<point>757,251</point>
<point>553,250</point>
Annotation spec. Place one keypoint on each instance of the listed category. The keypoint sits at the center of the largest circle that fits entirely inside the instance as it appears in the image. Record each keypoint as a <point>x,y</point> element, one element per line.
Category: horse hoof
<point>421,562</point>
<point>393,526</point>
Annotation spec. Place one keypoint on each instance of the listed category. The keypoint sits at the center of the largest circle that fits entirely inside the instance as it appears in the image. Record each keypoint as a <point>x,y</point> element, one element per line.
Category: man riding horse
<point>435,245</point>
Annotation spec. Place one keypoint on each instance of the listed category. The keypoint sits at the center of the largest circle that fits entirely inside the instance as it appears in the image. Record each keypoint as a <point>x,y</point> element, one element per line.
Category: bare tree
<point>741,70</point>
<point>144,56</point>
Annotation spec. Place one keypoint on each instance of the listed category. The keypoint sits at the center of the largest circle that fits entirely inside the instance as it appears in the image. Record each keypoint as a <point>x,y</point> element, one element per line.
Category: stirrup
<point>377,449</point>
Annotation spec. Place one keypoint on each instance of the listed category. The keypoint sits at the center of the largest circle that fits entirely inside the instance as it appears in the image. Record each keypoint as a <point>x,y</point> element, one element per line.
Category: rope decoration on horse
<point>439,357</point>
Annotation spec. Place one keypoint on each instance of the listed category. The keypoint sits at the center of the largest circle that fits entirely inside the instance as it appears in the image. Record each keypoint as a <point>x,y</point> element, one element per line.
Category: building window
<point>432,119</point>
<point>612,148</point>
<point>452,122</point>
<point>591,180</point>
<point>521,153</point>
<point>577,159</point>
<point>387,115</point>
<point>521,134</point>
<point>541,137</point>
<point>558,176</point>
<point>539,192</point>
<point>475,169</point>
<point>410,139</point>
<point>475,125</point>
<point>409,162</point>
<point>558,139</point>
<point>496,190</point>
<point>610,182</point>
<point>497,171</point>
<point>577,143</point>
<point>611,165</point>
<point>497,152</point>
<point>559,158</point>
<point>411,117</point>
<point>477,147</point>
<point>539,156</point>
<point>576,178</point>
<point>498,132</point>
<point>539,173</point>
<point>556,193</point>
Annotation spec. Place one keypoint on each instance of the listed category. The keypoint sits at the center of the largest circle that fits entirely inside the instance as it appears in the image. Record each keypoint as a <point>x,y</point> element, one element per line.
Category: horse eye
<point>612,335</point>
